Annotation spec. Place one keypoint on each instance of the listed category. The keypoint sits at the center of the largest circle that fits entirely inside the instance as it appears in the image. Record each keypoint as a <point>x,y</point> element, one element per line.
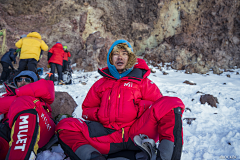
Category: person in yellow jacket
<point>31,47</point>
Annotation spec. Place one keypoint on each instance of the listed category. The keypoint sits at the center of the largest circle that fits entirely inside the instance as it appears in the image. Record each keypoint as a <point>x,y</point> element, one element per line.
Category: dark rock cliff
<point>195,35</point>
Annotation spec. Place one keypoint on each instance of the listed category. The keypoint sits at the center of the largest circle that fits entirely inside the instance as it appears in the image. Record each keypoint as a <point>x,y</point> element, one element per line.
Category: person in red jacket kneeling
<point>124,110</point>
<point>27,124</point>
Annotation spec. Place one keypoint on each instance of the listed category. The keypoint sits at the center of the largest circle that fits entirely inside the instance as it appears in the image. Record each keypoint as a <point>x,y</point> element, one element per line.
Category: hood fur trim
<point>132,58</point>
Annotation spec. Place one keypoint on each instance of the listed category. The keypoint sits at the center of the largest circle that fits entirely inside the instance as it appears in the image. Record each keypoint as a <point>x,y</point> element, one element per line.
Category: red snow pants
<point>31,128</point>
<point>158,122</point>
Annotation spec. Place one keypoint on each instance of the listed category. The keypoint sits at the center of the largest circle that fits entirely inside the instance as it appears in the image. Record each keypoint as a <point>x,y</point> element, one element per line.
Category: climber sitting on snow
<point>27,123</point>
<point>123,108</point>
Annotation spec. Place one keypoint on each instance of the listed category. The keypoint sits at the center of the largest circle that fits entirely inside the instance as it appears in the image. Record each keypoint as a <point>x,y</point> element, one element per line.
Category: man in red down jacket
<point>55,59</point>
<point>65,58</point>
<point>27,124</point>
<point>121,108</point>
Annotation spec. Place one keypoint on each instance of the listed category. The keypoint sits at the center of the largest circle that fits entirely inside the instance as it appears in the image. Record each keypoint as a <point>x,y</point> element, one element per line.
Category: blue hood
<point>111,67</point>
<point>26,73</point>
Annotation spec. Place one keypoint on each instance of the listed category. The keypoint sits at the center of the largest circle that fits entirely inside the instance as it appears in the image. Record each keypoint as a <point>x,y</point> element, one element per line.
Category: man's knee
<point>70,123</point>
<point>24,135</point>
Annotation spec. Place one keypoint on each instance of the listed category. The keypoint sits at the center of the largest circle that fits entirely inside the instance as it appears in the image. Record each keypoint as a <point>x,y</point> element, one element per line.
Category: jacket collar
<point>136,75</point>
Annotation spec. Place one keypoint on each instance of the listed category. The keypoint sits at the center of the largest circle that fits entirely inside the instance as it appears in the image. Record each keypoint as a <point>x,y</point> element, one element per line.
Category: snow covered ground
<point>213,135</point>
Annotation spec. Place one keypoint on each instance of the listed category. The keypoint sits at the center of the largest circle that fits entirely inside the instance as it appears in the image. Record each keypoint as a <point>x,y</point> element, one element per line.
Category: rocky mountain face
<point>195,35</point>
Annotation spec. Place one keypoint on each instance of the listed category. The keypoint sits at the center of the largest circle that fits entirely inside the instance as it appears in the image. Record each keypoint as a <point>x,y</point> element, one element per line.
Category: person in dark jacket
<point>6,61</point>
<point>55,60</point>
<point>27,123</point>
<point>124,110</point>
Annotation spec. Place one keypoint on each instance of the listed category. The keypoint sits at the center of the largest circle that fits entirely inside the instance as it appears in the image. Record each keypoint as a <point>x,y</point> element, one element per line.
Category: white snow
<point>213,135</point>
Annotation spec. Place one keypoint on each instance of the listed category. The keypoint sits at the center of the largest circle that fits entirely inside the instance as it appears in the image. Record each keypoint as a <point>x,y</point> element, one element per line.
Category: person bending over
<point>31,47</point>
<point>6,61</point>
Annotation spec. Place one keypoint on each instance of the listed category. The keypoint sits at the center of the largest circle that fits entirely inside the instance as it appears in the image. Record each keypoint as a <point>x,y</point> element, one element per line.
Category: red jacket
<point>57,54</point>
<point>66,55</point>
<point>42,90</point>
<point>37,95</point>
<point>118,103</point>
<point>5,102</point>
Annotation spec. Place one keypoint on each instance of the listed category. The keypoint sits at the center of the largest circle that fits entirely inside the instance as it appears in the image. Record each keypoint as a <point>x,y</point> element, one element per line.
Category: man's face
<point>22,81</point>
<point>120,59</point>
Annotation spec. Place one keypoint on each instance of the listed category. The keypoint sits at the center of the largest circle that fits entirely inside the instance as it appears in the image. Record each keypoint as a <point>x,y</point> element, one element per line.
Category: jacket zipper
<point>123,134</point>
<point>119,106</point>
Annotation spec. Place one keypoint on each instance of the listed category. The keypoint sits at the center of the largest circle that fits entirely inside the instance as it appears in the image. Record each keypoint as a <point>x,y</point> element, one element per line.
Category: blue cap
<point>26,73</point>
